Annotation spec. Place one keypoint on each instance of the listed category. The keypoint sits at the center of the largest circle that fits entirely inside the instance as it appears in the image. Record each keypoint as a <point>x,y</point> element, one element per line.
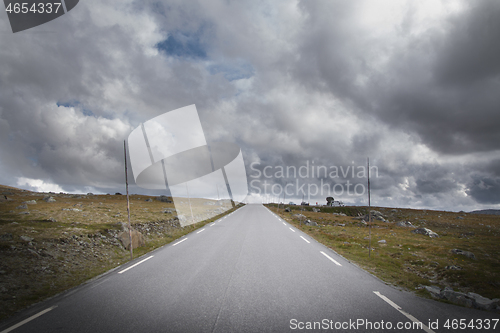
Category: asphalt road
<point>248,272</point>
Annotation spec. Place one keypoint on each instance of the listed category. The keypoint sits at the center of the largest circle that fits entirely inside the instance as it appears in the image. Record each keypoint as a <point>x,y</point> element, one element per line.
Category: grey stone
<point>435,291</point>
<point>26,238</point>
<point>453,267</point>
<point>149,200</point>
<point>288,210</point>
<point>30,202</point>
<point>483,303</point>
<point>23,206</point>
<point>168,210</point>
<point>406,224</point>
<point>426,232</point>
<point>24,213</point>
<point>299,216</point>
<point>163,198</point>
<point>49,199</point>
<point>382,241</point>
<point>316,210</point>
<point>468,254</point>
<point>460,218</point>
<point>457,297</point>
<point>311,223</point>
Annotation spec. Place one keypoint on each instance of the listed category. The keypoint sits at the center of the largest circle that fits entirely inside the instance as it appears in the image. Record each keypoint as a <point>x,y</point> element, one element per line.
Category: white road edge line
<point>291,229</point>
<point>28,319</point>
<point>179,242</point>
<point>212,224</point>
<point>406,314</point>
<point>305,239</point>
<point>140,262</point>
<point>200,231</point>
<point>334,261</point>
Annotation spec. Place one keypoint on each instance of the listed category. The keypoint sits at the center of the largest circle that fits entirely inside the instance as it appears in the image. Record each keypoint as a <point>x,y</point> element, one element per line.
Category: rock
<point>137,239</point>
<point>118,193</point>
<point>24,213</point>
<point>72,209</point>
<point>288,210</point>
<point>426,232</point>
<point>316,210</point>
<point>453,267</point>
<point>30,202</point>
<point>6,237</point>
<point>168,210</point>
<point>23,206</point>
<point>483,303</point>
<point>459,218</point>
<point>311,223</point>
<point>164,198</point>
<point>405,224</point>
<point>434,291</point>
<point>299,216</point>
<point>26,238</point>
<point>90,194</point>
<point>456,297</point>
<point>468,254</point>
<point>394,211</point>
<point>49,199</point>
<point>470,300</point>
<point>376,215</point>
<point>382,241</point>
<point>149,200</point>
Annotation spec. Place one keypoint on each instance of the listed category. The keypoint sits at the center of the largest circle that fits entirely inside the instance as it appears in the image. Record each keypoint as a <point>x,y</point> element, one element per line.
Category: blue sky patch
<point>183,45</point>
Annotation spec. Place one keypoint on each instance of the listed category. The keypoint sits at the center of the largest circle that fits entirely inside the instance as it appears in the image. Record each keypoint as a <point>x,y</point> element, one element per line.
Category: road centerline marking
<point>140,262</point>
<point>28,319</point>
<point>305,239</point>
<point>291,229</point>
<point>179,242</point>
<point>200,231</point>
<point>333,260</point>
<point>406,314</point>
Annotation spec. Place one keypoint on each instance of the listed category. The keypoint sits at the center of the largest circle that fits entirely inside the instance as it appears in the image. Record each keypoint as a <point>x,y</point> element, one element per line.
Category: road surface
<point>247,272</point>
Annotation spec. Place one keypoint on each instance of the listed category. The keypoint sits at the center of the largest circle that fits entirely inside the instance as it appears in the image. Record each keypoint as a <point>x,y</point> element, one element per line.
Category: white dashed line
<point>140,262</point>
<point>406,314</point>
<point>212,224</point>
<point>179,242</point>
<point>305,239</point>
<point>291,229</point>
<point>326,255</point>
<point>200,231</point>
<point>284,223</point>
<point>29,319</point>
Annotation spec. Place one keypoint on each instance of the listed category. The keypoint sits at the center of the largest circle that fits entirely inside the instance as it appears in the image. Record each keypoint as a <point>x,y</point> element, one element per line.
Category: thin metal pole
<point>369,211</point>
<point>189,200</point>
<point>128,202</point>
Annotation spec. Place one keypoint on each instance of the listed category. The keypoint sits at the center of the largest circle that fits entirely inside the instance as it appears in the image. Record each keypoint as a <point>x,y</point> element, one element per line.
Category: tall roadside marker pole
<point>128,202</point>
<point>369,211</point>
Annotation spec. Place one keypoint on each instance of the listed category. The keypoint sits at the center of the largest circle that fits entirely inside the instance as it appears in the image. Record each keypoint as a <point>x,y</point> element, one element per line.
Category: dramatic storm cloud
<point>323,84</point>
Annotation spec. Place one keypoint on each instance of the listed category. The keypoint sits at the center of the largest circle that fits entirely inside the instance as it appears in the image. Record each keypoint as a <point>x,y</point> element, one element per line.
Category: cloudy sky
<point>414,85</point>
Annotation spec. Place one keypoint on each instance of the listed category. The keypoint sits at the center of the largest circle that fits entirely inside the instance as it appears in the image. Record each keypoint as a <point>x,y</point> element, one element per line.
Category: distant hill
<point>487,211</point>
